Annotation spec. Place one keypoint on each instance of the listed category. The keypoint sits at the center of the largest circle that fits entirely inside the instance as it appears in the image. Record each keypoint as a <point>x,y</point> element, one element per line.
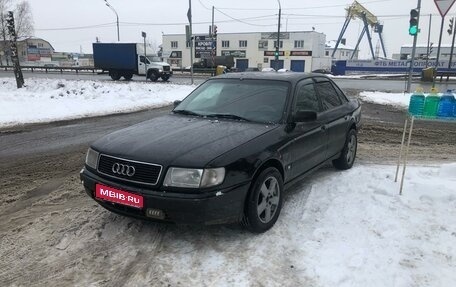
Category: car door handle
<point>346,118</point>
<point>323,128</point>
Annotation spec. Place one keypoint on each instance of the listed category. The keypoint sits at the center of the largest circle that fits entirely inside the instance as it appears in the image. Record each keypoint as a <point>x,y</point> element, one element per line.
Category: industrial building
<point>299,51</point>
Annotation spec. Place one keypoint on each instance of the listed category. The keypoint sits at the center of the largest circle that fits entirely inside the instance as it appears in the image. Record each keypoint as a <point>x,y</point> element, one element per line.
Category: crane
<point>356,10</point>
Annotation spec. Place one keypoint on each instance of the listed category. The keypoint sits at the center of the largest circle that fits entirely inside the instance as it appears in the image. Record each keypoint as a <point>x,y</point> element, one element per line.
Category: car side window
<point>142,59</point>
<point>306,98</point>
<point>328,95</point>
<point>341,94</point>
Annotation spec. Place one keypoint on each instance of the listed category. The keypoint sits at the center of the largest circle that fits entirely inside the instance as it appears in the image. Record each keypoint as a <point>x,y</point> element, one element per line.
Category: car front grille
<point>166,68</point>
<point>145,173</point>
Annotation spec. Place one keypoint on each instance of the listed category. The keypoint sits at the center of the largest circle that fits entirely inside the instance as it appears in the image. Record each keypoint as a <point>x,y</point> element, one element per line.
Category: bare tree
<point>23,21</point>
<point>4,6</point>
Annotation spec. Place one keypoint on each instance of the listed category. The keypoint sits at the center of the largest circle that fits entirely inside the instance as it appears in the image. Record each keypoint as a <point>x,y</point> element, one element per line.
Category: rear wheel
<point>348,154</point>
<point>264,201</point>
<point>115,75</point>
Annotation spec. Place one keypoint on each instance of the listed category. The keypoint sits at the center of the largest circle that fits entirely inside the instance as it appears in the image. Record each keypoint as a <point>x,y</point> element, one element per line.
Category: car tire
<point>115,75</point>
<point>128,76</point>
<point>348,154</point>
<point>153,76</point>
<point>264,201</point>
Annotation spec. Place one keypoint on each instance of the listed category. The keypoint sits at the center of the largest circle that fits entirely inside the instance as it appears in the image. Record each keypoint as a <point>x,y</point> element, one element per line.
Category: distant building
<point>343,52</point>
<point>422,52</point>
<point>29,50</point>
<point>299,51</point>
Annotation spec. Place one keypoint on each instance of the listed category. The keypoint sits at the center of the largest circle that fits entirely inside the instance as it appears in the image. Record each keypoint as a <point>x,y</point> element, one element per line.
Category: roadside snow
<point>46,100</point>
<point>400,100</point>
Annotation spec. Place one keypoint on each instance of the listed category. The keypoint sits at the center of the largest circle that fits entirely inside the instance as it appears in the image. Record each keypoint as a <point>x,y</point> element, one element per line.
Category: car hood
<point>179,140</point>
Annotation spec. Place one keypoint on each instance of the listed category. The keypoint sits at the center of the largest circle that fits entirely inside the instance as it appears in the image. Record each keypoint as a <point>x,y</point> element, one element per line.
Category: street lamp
<point>117,17</point>
<point>277,51</point>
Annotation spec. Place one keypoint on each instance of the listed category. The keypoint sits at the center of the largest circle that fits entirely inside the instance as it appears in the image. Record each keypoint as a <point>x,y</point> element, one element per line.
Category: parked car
<point>251,70</point>
<point>227,151</point>
<point>322,71</point>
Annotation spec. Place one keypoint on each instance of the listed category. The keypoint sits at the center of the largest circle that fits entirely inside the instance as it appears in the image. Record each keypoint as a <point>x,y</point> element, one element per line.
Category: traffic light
<point>276,54</point>
<point>215,31</point>
<point>450,29</point>
<point>413,28</point>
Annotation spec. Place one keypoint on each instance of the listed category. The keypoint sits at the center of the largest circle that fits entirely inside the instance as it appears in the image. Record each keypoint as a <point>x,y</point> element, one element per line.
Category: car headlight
<point>194,178</point>
<point>160,71</point>
<point>92,158</point>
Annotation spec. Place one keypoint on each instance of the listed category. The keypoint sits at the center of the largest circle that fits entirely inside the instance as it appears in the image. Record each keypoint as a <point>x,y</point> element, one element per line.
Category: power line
<point>306,8</point>
<point>241,21</point>
<point>79,28</point>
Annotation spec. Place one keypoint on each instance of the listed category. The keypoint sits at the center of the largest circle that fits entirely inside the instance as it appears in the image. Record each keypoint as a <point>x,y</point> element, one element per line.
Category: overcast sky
<point>55,20</point>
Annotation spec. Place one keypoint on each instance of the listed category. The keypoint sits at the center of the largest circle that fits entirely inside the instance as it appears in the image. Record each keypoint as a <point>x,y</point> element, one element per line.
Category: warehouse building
<point>299,51</point>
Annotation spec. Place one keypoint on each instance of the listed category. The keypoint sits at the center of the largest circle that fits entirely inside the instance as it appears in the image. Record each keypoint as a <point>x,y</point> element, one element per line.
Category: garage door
<point>279,62</point>
<point>298,65</point>
<point>242,64</point>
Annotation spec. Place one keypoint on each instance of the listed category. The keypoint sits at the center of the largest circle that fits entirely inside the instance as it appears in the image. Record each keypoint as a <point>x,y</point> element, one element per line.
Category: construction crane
<point>357,10</point>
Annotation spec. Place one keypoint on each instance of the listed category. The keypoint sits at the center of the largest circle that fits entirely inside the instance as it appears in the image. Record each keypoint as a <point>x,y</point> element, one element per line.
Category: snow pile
<point>394,99</point>
<point>346,228</point>
<point>45,100</point>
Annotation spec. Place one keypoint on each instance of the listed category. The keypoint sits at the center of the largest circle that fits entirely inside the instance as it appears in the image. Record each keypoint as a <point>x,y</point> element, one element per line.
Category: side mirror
<point>176,103</point>
<point>304,116</point>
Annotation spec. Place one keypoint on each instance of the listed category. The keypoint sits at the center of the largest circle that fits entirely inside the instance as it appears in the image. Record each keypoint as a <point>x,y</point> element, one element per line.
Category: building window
<point>265,60</point>
<point>174,45</point>
<point>348,54</point>
<point>327,53</point>
<point>243,43</point>
<point>281,44</point>
<point>299,44</point>
<point>40,44</point>
<point>225,44</point>
<point>188,43</point>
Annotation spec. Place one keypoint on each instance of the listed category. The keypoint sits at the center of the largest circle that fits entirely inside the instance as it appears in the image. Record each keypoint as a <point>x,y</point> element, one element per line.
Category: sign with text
<point>444,6</point>
<point>301,53</point>
<point>273,35</point>
<point>203,46</point>
<point>271,53</point>
<point>234,53</point>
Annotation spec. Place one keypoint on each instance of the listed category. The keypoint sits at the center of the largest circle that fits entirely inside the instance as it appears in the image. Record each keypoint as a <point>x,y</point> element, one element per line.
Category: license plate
<point>118,196</point>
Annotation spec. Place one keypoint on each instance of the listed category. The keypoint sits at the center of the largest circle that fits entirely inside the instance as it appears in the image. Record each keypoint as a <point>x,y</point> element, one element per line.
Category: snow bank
<point>400,100</point>
<point>45,100</point>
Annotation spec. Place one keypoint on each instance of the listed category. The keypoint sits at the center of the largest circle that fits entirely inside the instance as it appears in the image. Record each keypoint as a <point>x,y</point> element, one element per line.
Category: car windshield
<point>154,59</point>
<point>249,100</point>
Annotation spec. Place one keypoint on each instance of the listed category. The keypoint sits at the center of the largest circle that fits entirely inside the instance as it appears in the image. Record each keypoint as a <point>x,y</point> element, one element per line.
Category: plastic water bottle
<point>431,104</point>
<point>446,105</point>
<point>416,106</point>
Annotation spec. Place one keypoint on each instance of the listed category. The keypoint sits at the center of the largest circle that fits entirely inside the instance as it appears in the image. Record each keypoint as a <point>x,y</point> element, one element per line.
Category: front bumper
<point>222,206</point>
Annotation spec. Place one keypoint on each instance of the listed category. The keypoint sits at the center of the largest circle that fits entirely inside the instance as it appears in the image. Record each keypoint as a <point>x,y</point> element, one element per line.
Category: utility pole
<point>452,30</point>
<point>414,24</point>
<point>13,47</point>
<point>277,52</point>
<point>145,54</point>
<point>429,40</point>
<point>213,39</point>
<point>189,16</point>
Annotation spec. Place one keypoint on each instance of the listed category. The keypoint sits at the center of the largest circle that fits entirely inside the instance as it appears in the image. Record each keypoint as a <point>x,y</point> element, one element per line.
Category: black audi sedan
<point>227,152</point>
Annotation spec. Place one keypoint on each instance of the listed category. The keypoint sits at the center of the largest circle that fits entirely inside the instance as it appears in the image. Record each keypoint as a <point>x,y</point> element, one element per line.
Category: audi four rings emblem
<point>123,169</point>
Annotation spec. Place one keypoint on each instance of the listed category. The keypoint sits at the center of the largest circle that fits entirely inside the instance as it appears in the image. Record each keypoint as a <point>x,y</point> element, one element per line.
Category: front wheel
<point>348,154</point>
<point>264,201</point>
<point>153,76</point>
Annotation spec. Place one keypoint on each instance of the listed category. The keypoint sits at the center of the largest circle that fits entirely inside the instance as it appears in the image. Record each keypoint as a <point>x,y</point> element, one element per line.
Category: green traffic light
<point>413,30</point>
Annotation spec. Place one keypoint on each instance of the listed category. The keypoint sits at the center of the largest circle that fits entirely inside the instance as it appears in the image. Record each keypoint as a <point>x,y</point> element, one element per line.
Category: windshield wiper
<point>227,116</point>
<point>186,112</point>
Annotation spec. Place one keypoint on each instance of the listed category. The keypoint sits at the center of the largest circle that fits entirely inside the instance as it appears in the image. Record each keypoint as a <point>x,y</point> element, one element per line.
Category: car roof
<point>292,77</point>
